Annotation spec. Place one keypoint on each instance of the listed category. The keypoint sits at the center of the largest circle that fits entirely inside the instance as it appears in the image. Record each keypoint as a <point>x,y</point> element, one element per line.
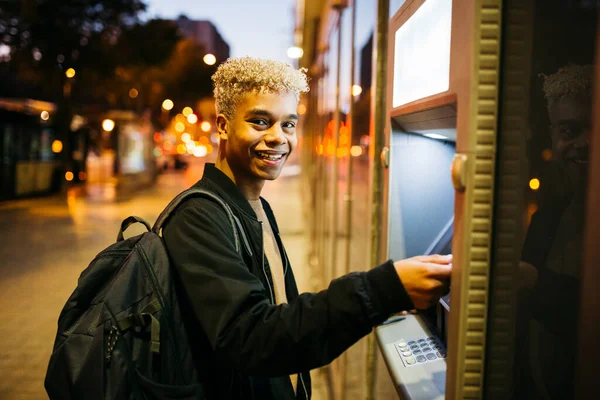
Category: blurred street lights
<point>205,126</point>
<point>192,118</point>
<point>168,105</point>
<point>108,125</point>
<point>70,73</point>
<point>295,52</point>
<point>210,59</point>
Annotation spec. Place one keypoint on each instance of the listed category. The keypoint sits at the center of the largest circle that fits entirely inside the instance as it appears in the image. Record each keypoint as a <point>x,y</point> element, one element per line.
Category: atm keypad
<point>420,351</point>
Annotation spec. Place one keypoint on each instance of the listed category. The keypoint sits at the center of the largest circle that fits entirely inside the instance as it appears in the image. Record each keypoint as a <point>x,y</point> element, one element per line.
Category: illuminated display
<point>422,53</point>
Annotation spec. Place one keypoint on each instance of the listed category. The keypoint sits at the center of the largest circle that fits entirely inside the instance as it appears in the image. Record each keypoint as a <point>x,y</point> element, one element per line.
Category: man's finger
<point>439,271</point>
<point>436,259</point>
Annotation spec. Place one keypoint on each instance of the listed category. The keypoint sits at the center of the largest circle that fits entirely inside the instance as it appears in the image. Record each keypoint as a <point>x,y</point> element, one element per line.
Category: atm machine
<point>430,189</point>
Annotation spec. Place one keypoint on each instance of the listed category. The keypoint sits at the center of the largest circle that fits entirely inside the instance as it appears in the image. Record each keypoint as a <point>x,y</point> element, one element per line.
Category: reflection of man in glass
<point>551,258</point>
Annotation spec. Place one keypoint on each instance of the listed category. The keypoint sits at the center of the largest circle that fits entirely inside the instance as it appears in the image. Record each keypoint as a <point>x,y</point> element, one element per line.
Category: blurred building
<point>205,33</point>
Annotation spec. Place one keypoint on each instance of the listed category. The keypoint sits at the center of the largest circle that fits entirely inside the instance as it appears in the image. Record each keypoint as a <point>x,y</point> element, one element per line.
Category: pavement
<point>46,242</point>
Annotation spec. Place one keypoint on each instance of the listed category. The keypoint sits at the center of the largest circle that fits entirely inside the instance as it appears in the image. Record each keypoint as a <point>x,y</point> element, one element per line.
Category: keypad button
<point>426,349</point>
<point>441,354</point>
<point>402,344</point>
<point>431,356</point>
<point>414,347</point>
<point>421,340</point>
<point>412,342</point>
<point>417,351</point>
<point>410,361</point>
<point>421,358</point>
<point>406,353</point>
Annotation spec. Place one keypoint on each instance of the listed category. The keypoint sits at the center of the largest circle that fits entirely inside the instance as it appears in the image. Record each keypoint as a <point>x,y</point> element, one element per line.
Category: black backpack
<point>121,335</point>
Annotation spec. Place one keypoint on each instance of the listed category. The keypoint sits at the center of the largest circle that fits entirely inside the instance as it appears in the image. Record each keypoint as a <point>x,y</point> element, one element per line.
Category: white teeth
<point>269,156</point>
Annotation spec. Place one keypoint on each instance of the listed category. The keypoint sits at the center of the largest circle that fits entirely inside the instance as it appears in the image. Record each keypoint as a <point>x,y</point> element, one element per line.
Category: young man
<point>253,336</point>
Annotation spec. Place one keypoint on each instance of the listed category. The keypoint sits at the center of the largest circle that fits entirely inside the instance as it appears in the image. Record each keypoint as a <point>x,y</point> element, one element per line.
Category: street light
<point>45,115</point>
<point>133,93</point>
<point>108,125</point>
<point>210,59</point>
<point>192,118</point>
<point>205,126</point>
<point>70,73</point>
<point>187,111</point>
<point>168,105</point>
<point>295,52</point>
<point>356,90</point>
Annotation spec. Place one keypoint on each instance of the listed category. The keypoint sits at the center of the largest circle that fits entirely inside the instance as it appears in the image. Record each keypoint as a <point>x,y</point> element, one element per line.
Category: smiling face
<point>571,120</point>
<point>260,136</point>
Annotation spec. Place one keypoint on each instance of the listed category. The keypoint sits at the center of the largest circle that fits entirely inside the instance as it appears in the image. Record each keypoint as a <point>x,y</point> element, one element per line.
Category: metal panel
<point>508,221</point>
<point>468,316</point>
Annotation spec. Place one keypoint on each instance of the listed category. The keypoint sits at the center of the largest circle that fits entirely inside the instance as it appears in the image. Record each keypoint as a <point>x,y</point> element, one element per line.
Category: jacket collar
<point>226,188</point>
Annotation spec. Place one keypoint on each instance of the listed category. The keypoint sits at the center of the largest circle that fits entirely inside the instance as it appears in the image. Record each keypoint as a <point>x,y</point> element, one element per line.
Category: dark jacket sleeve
<point>244,329</point>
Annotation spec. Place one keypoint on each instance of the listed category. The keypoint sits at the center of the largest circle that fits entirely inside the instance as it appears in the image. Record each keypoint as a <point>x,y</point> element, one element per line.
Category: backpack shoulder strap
<point>197,192</point>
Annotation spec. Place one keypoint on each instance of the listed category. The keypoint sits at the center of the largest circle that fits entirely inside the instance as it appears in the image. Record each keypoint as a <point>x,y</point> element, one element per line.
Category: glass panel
<point>554,43</point>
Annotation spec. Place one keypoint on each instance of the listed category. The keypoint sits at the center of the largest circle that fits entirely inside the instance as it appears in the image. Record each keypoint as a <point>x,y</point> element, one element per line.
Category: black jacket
<point>244,346</point>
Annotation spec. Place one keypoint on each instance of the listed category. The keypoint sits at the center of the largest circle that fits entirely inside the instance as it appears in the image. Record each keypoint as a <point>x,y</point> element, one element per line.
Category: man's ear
<point>222,126</point>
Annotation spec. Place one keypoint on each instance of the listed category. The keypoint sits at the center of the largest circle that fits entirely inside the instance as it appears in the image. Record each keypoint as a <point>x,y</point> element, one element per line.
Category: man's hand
<point>425,278</point>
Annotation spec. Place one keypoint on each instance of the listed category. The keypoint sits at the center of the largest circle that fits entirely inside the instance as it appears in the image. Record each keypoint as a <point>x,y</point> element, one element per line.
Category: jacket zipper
<point>283,254</point>
<point>262,234</point>
<point>303,386</point>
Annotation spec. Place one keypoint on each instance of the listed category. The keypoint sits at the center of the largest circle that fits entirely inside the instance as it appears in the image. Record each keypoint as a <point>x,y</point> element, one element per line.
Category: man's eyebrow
<point>259,112</point>
<point>265,113</point>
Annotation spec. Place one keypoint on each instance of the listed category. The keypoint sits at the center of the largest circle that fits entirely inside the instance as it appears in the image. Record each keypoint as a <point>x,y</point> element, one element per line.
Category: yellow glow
<point>534,184</point>
<point>187,111</point>
<point>200,151</point>
<point>547,154</point>
<point>205,126</point>
<point>356,90</point>
<point>70,73</point>
<point>133,93</point>
<point>190,144</point>
<point>356,151</point>
<point>108,125</point>
<point>180,127</point>
<point>45,115</point>
<point>203,140</point>
<point>168,146</point>
<point>295,52</point>
<point>57,146</point>
<point>168,104</point>
<point>209,148</point>
<point>186,137</point>
<point>301,109</point>
<point>210,59</point>
<point>319,149</point>
<point>181,149</point>
<point>192,118</point>
<point>69,176</point>
<point>343,139</point>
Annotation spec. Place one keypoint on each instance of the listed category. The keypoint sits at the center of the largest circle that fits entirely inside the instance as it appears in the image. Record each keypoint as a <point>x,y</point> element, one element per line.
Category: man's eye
<point>259,122</point>
<point>289,125</point>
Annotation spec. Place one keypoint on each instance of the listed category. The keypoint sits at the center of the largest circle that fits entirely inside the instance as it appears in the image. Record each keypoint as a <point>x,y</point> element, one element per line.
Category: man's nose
<point>275,135</point>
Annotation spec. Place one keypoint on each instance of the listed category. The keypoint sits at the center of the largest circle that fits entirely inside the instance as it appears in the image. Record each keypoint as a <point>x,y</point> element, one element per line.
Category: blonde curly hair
<point>237,77</point>
<point>572,80</point>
